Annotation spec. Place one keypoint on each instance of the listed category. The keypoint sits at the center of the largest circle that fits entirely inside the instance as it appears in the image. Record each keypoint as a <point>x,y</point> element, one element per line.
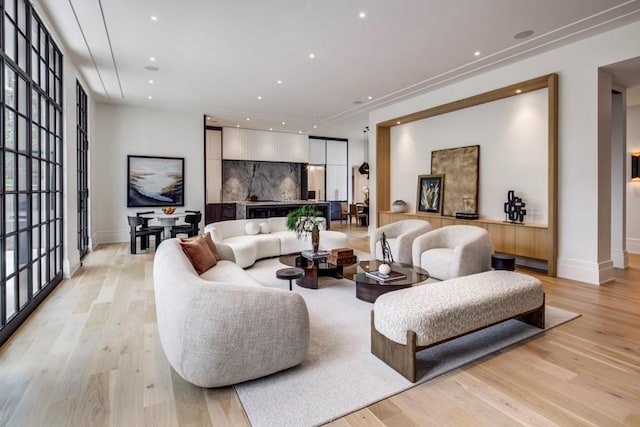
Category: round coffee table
<point>290,274</point>
<point>369,289</point>
<point>312,269</point>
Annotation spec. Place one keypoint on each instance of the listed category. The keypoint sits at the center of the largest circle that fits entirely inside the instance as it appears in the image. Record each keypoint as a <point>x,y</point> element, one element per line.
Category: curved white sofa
<point>247,248</point>
<point>223,327</point>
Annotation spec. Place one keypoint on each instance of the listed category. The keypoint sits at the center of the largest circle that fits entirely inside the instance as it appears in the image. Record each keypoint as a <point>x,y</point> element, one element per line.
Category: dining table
<point>166,221</point>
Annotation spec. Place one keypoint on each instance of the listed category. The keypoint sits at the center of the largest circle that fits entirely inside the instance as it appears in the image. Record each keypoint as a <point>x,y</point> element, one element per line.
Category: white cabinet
<point>249,144</point>
<point>337,170</point>
<point>336,182</point>
<point>336,152</point>
<point>317,151</point>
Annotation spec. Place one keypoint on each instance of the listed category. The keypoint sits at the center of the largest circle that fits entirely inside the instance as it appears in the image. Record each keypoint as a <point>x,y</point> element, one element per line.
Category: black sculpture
<point>514,208</point>
<point>387,257</point>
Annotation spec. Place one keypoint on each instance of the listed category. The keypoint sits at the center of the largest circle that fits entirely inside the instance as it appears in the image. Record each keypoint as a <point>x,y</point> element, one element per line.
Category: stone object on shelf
<point>399,206</point>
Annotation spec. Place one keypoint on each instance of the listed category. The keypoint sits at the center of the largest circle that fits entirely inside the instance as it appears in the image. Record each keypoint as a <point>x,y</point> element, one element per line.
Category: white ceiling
<point>217,57</point>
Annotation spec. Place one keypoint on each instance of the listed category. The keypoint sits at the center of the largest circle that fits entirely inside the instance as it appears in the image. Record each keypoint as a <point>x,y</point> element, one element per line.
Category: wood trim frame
<point>550,82</point>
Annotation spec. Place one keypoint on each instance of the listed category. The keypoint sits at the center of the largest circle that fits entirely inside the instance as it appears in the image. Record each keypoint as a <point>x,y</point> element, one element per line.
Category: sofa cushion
<point>228,272</point>
<point>199,253</point>
<point>437,262</point>
<point>252,228</point>
<point>265,228</point>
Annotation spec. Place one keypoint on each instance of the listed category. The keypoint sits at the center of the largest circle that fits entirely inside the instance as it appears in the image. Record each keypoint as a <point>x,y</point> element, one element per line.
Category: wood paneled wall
<point>539,241</point>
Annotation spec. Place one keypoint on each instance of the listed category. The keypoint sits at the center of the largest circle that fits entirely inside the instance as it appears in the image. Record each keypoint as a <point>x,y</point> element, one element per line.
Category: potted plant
<point>304,220</point>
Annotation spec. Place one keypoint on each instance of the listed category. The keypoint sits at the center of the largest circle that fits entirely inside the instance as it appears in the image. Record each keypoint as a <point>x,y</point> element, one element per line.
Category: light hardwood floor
<point>90,356</point>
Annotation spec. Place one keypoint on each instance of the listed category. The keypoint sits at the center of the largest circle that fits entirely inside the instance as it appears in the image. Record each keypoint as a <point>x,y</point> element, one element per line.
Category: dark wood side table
<point>290,274</point>
<point>369,289</point>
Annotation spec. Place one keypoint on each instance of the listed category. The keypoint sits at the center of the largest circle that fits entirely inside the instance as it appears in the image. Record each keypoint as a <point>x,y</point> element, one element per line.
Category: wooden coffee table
<point>369,289</point>
<point>312,269</point>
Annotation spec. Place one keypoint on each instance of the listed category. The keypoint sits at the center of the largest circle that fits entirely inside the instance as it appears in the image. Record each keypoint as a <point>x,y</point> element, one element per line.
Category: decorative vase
<point>399,206</point>
<point>384,269</point>
<point>315,237</point>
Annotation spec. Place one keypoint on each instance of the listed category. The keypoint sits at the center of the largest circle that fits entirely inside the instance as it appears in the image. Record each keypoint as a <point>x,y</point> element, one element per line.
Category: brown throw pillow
<point>212,246</point>
<point>199,253</point>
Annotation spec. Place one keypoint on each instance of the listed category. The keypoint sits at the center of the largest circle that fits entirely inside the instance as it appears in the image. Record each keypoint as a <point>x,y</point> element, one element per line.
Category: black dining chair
<point>135,232</point>
<point>144,241</point>
<point>191,228</point>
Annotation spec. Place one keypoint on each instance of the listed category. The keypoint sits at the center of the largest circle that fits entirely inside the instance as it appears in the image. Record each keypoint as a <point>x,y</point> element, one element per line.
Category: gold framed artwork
<point>430,193</point>
<point>461,167</point>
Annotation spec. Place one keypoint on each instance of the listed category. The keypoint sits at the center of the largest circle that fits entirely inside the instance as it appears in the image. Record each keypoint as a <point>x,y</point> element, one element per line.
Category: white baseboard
<point>113,236</point>
<point>583,271</point>
<point>620,259</point>
<point>633,246</point>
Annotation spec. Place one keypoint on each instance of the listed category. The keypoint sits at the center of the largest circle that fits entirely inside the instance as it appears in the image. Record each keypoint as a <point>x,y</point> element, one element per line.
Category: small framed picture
<point>430,193</point>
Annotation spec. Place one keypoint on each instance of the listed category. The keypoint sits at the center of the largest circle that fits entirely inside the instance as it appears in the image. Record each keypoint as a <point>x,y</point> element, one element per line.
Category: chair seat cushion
<point>437,262</point>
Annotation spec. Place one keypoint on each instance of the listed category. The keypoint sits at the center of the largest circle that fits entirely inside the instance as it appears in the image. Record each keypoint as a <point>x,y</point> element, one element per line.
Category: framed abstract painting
<point>430,193</point>
<point>155,181</point>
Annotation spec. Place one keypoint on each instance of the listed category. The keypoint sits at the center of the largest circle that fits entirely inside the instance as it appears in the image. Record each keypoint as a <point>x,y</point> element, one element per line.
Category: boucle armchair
<point>400,236</point>
<point>222,327</point>
<point>453,251</point>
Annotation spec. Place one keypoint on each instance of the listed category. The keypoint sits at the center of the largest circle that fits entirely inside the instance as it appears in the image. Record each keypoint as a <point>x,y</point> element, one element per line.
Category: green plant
<point>304,220</point>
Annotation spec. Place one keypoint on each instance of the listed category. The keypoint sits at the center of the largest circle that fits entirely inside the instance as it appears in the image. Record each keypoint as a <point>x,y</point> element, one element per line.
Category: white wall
<point>633,188</point>
<point>121,130</point>
<point>512,134</point>
<point>578,220</point>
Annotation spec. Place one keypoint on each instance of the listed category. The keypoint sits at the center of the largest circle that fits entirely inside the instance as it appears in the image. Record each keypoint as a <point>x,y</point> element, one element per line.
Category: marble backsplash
<point>267,180</point>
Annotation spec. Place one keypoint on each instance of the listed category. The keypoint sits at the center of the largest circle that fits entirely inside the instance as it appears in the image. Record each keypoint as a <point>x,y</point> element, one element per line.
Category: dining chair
<point>144,241</point>
<point>135,232</point>
<point>344,211</point>
<point>191,227</point>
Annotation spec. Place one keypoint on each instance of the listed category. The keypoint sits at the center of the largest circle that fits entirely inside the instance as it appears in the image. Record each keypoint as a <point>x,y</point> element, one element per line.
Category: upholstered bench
<point>410,320</point>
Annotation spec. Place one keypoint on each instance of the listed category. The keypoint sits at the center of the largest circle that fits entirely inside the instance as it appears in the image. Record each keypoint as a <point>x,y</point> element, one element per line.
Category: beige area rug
<point>340,375</point>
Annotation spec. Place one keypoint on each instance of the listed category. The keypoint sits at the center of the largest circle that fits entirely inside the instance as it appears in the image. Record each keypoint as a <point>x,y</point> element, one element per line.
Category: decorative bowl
<point>168,211</point>
<point>399,206</point>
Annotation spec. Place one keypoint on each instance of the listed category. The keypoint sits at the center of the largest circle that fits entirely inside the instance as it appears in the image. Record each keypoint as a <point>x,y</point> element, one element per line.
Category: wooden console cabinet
<point>522,240</point>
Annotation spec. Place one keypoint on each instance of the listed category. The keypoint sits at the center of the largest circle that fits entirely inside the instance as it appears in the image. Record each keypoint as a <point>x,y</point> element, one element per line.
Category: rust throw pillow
<point>207,238</point>
<point>199,253</point>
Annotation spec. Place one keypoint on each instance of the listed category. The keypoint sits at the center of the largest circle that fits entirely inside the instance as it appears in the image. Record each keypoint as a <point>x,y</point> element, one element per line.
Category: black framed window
<point>82,136</point>
<point>31,232</point>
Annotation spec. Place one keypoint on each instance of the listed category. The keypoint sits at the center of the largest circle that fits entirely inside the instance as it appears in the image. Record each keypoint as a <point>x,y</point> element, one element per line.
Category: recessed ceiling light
<point>237,126</point>
<point>476,53</point>
<point>398,122</point>
<point>312,55</point>
<point>151,58</point>
<point>151,68</point>
<point>315,126</point>
<point>523,34</point>
<point>259,97</point>
<point>270,128</point>
<point>149,97</point>
<point>151,82</point>
<point>154,18</point>
<point>518,90</point>
<point>299,131</point>
<point>279,82</point>
<point>284,123</point>
<point>369,98</point>
<point>362,15</point>
<point>208,118</point>
<point>248,118</point>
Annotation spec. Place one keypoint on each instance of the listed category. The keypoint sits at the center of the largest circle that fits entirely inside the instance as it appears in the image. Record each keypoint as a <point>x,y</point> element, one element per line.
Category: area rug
<point>340,375</point>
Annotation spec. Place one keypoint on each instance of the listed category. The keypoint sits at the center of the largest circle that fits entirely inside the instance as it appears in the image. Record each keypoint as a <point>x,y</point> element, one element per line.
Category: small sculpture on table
<point>514,208</point>
<point>387,256</point>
